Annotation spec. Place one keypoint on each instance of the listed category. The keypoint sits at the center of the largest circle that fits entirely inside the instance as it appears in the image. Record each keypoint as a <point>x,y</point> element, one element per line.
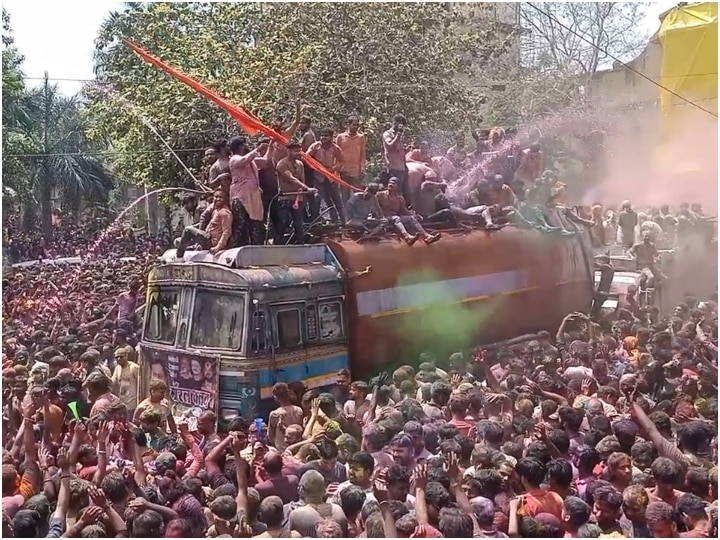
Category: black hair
<point>490,431</point>
<point>490,482</point>
<point>609,496</point>
<point>436,473</point>
<point>691,505</point>
<point>643,453</point>
<point>693,434</point>
<point>560,439</point>
<point>466,447</point>
<point>440,392</point>
<point>436,495</point>
<point>455,524</point>
<point>539,451</point>
<point>352,499</point>
<point>236,143</point>
<point>26,524</point>
<point>447,431</point>
<point>577,510</point>
<point>400,119</point>
<point>362,459</point>
<point>665,471</point>
<point>328,449</point>
<point>397,474</point>
<point>532,470</point>
<point>560,470</point>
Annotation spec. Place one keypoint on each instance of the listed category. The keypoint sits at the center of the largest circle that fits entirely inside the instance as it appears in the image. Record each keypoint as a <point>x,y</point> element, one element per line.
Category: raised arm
<point>213,458</point>
<point>290,132</point>
<point>193,449</point>
<point>103,434</point>
<point>241,468</point>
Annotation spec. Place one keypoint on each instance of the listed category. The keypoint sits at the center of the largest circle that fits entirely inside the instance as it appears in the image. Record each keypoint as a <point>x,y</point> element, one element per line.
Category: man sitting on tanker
<point>363,211</point>
<point>395,210</point>
<point>645,256</point>
<point>435,207</point>
<point>217,233</point>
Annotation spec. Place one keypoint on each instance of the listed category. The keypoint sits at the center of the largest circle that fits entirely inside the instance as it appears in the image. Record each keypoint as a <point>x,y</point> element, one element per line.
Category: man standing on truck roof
<point>627,221</point>
<point>394,152</point>
<point>353,147</point>
<point>291,179</point>
<point>329,154</point>
<point>245,195</point>
<point>215,237</point>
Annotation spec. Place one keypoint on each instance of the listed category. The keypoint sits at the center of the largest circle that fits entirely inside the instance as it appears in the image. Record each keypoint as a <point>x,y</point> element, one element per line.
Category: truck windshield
<point>162,314</point>
<point>218,319</point>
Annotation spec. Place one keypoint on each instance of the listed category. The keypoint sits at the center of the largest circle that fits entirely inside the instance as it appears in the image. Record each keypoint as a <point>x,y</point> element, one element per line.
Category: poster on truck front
<point>192,380</point>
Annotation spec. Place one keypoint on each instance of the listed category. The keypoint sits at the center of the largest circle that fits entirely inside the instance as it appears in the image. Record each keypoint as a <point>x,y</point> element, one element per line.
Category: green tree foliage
<point>372,60</point>
<point>16,117</point>
<point>66,164</point>
<point>45,148</point>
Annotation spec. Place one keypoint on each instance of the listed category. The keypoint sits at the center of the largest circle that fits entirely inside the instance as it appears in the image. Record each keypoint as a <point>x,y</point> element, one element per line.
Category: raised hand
<point>97,496</point>
<point>452,466</point>
<point>380,486</point>
<point>62,459</point>
<point>92,515</point>
<point>103,431</point>
<point>420,476</point>
<point>138,504</point>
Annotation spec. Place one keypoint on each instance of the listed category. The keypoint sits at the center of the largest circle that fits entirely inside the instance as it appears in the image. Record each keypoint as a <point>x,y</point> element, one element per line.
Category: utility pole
<point>46,188</point>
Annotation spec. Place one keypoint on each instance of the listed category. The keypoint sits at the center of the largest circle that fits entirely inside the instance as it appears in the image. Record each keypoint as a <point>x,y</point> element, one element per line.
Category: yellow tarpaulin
<point>689,39</point>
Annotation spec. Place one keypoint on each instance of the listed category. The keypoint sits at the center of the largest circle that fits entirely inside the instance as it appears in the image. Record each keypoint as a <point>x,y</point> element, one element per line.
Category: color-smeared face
<point>292,435</point>
<point>663,529</point>
<point>623,471</point>
<point>604,513</point>
<point>327,464</point>
<point>634,509</point>
<point>210,156</point>
<point>398,491</point>
<point>402,455</point>
<point>358,474</point>
<point>342,381</point>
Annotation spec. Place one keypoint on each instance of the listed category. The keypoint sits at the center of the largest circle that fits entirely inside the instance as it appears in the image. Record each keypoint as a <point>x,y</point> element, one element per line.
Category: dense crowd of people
<point>603,430</point>
<point>606,429</point>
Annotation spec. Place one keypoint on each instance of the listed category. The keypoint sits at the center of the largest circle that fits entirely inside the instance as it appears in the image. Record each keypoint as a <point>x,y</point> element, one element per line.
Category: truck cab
<point>221,331</point>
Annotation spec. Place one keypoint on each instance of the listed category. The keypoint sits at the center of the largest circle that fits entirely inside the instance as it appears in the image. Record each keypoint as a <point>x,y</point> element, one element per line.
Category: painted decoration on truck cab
<point>192,380</point>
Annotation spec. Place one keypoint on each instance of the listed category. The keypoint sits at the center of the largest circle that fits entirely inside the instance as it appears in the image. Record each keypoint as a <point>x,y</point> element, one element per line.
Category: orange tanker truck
<point>223,330</point>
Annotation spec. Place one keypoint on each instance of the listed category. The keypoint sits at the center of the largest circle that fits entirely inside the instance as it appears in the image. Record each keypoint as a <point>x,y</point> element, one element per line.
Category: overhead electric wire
<point>140,152</point>
<point>624,64</point>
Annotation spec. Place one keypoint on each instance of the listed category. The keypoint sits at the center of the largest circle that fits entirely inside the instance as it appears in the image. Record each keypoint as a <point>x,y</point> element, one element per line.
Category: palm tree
<point>65,164</point>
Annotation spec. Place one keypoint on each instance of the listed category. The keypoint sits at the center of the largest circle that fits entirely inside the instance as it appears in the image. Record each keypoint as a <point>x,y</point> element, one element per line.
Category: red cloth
<point>250,123</point>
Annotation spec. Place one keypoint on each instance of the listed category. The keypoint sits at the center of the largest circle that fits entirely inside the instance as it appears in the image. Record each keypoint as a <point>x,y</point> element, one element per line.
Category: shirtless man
<point>329,154</point>
<point>215,237</point>
<point>394,151</point>
<point>645,256</point>
<point>219,173</point>
<point>291,178</point>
